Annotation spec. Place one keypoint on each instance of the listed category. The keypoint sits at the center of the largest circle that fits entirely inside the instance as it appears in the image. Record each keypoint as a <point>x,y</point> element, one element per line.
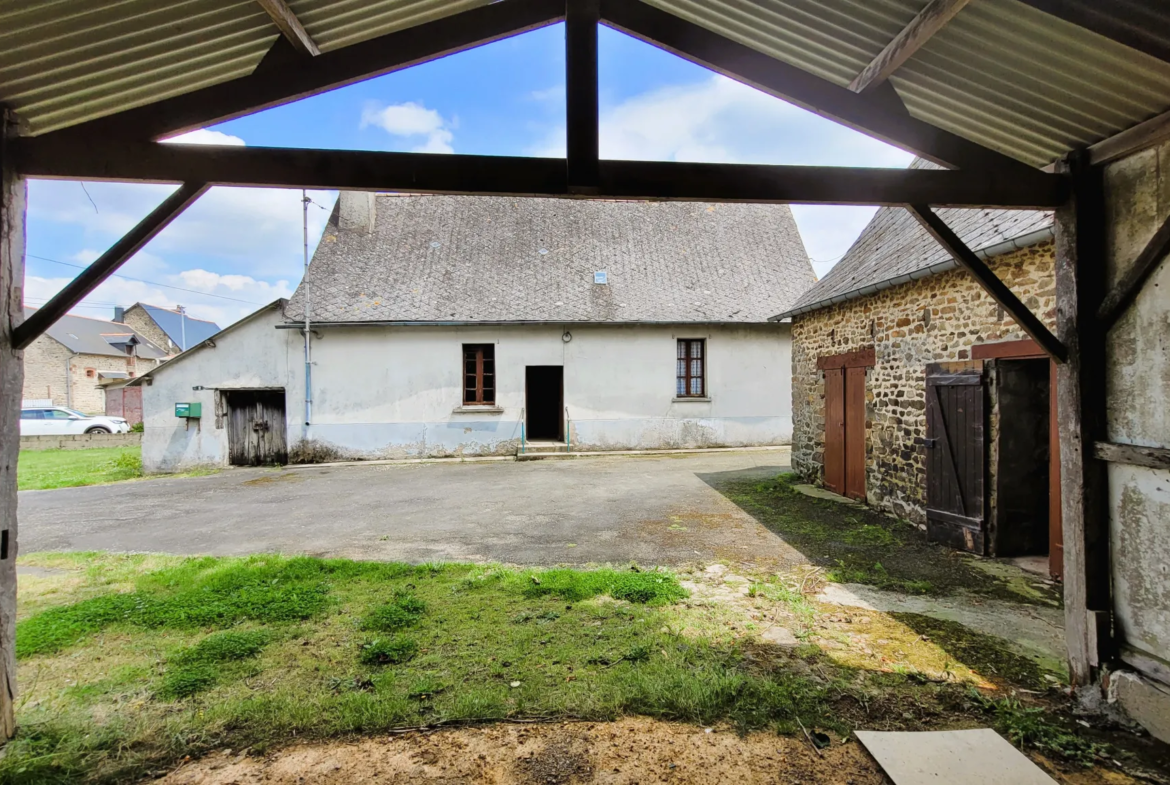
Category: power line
<point>143,280</point>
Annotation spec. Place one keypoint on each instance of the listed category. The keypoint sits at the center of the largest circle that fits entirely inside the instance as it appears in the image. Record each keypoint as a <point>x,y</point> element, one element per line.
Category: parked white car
<point>59,421</point>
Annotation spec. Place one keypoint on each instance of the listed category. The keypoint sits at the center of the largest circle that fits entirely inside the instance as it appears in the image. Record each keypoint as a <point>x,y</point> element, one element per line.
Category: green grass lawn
<point>128,663</point>
<point>44,469</point>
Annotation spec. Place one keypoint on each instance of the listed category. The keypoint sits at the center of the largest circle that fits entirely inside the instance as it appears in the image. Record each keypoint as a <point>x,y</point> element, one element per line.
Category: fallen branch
<point>808,736</point>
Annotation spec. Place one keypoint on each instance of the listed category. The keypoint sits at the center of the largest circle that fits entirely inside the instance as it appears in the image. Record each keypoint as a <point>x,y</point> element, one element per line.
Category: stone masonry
<point>45,376</point>
<point>137,319</point>
<point>935,319</point>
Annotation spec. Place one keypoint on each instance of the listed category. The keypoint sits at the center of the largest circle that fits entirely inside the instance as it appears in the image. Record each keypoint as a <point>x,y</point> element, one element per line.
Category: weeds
<point>652,588</point>
<point>1033,727</point>
<point>403,611</point>
<point>388,651</point>
<point>195,669</point>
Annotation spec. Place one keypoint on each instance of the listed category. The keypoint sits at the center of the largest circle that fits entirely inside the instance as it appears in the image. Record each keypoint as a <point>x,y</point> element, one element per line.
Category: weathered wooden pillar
<point>1080,288</point>
<point>12,215</point>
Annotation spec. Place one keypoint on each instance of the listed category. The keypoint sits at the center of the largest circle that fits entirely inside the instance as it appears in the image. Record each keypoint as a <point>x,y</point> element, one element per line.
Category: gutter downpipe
<point>69,380</point>
<point>307,329</point>
<point>522,434</point>
<point>991,251</point>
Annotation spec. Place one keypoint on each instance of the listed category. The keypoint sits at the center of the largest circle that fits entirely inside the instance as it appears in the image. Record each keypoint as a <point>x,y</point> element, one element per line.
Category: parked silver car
<point>59,421</point>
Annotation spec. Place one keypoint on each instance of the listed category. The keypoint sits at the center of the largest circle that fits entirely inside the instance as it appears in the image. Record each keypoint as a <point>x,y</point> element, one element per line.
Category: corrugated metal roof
<point>63,62</point>
<point>1001,73</point>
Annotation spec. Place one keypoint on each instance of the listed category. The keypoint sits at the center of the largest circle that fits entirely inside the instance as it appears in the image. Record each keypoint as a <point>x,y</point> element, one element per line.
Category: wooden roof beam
<point>289,26</point>
<point>481,174</point>
<point>906,44</point>
<point>990,282</point>
<point>1135,277</point>
<point>583,115</point>
<point>107,264</point>
<point>872,114</point>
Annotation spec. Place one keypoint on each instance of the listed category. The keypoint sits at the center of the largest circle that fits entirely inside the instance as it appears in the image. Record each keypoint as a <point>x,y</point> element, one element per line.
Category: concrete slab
<point>821,493</point>
<point>652,510</point>
<point>960,757</point>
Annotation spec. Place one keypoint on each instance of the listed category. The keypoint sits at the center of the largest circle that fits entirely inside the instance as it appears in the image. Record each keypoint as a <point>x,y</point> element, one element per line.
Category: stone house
<point>70,362</point>
<point>171,329</point>
<point>461,325</point>
<point>913,391</point>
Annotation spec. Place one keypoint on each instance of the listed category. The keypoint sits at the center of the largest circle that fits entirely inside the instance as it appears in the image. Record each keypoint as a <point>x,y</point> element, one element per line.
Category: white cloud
<point>720,120</point>
<point>412,120</point>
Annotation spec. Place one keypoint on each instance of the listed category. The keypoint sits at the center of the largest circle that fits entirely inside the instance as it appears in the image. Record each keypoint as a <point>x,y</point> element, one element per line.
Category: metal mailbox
<point>189,410</point>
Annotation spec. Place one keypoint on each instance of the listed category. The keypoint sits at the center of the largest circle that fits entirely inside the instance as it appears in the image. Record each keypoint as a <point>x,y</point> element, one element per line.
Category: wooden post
<point>581,100</point>
<point>1080,266</point>
<point>12,212</point>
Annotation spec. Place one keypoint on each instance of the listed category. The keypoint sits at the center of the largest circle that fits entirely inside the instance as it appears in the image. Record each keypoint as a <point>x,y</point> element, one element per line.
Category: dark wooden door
<point>256,428</point>
<point>955,463</point>
<point>855,433</point>
<point>835,430</point>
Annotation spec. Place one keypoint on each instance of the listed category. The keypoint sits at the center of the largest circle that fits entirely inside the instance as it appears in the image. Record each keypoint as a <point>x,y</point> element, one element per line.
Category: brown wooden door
<point>855,433</point>
<point>835,430</point>
<point>955,463</point>
<point>256,428</point>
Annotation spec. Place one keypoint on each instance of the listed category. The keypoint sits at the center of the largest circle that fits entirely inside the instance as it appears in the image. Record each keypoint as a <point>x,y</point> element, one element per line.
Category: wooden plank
<point>862,358</point>
<point>991,284</point>
<point>1132,454</point>
<point>1146,664</point>
<point>289,26</point>
<point>835,430</point>
<point>1081,405</point>
<point>1135,277</point>
<point>855,433</point>
<point>953,380</point>
<point>869,113</point>
<point>582,127</point>
<point>1055,529</point>
<point>107,264</point>
<point>950,517</point>
<point>97,159</point>
<point>906,43</point>
<point>273,86</point>
<point>942,442</point>
<point>1143,26</point>
<point>13,200</point>
<point>1025,349</point>
<point>1132,140</point>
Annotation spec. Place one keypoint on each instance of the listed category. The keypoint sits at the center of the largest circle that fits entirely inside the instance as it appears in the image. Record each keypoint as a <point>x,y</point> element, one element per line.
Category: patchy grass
<point>130,663</point>
<point>42,470</point>
<point>858,545</point>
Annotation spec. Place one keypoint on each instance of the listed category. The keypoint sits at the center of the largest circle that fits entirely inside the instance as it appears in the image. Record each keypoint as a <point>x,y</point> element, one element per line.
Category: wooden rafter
<point>871,114</point>
<point>905,44</point>
<point>1131,283</point>
<point>990,282</point>
<point>1132,454</point>
<point>267,87</point>
<point>1140,137</point>
<point>581,103</point>
<point>106,264</point>
<point>471,174</point>
<point>289,26</point>
<point>1143,26</point>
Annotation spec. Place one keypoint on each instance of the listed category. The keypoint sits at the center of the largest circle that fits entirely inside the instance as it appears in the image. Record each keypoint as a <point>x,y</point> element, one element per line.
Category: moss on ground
<point>855,544</point>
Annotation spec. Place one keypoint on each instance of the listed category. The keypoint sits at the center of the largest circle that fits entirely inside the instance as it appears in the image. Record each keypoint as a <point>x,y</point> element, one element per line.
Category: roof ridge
<point>176,313</point>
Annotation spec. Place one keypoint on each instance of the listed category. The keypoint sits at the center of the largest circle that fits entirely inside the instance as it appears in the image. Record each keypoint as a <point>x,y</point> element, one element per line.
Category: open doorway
<point>1020,457</point>
<point>544,402</point>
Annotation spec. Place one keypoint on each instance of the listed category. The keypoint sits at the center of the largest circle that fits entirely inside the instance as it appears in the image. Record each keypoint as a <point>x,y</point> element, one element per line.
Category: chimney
<point>356,211</point>
<point>119,314</point>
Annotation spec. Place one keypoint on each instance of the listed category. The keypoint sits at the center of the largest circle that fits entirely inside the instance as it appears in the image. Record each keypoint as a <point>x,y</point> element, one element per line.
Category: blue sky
<point>237,248</point>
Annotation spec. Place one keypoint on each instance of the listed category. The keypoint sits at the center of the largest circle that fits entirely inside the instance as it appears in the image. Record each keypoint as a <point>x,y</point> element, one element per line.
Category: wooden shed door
<point>955,464</point>
<point>845,431</point>
<point>256,428</point>
<point>835,430</point>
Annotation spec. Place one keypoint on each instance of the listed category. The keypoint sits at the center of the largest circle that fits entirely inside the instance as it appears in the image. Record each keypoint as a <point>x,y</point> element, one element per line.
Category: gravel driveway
<point>652,509</point>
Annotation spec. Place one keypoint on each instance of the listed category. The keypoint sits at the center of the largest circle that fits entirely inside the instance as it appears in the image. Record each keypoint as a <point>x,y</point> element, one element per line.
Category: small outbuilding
<point>915,392</point>
<point>477,325</point>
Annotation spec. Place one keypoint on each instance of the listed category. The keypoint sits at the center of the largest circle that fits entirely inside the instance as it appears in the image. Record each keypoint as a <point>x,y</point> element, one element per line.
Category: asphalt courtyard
<point>650,509</point>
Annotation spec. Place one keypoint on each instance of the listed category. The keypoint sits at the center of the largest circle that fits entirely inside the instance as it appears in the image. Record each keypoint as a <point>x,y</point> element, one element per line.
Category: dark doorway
<point>1019,465</point>
<point>543,402</point>
<point>955,465</point>
<point>256,427</point>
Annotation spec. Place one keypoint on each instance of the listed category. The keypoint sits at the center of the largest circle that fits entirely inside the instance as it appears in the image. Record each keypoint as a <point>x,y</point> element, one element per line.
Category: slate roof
<point>171,323</point>
<point>84,335</point>
<point>894,245</point>
<point>503,259</point>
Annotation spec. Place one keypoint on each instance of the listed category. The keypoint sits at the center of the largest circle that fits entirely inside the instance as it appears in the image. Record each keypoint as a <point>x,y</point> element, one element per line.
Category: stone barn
<point>915,392</point>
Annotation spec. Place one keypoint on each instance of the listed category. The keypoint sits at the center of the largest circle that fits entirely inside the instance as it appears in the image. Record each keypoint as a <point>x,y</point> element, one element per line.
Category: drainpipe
<point>69,380</point>
<point>305,200</point>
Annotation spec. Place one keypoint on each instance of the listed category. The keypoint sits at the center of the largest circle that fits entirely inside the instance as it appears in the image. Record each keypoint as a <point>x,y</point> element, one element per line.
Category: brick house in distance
<point>173,330</point>
<point>913,391</point>
<point>69,363</point>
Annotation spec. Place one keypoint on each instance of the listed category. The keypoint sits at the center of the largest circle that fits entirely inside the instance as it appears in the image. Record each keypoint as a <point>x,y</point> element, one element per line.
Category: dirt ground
<point>635,750</point>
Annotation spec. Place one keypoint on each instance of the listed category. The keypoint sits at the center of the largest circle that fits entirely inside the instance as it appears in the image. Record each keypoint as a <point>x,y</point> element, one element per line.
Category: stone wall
<point>81,441</point>
<point>44,375</point>
<point>936,319</point>
<point>140,321</point>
